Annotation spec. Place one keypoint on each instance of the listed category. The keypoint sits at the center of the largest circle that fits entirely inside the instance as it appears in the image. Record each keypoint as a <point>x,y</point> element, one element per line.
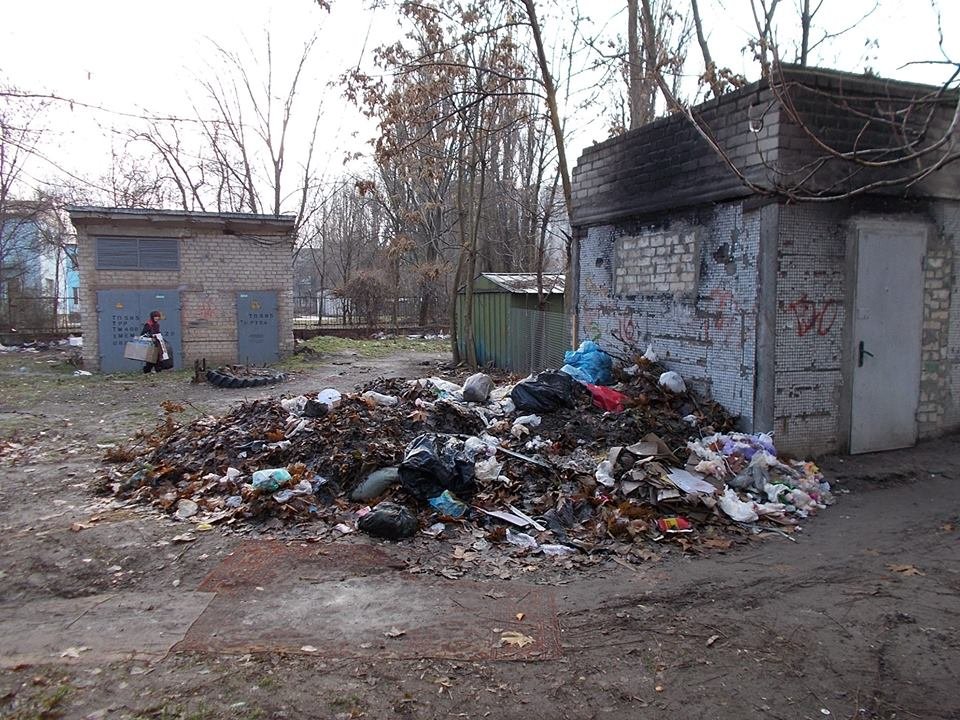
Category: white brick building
<point>836,324</point>
<point>223,282</point>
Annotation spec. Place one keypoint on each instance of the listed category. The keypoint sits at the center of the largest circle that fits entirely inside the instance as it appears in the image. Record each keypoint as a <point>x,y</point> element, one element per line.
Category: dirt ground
<point>105,615</point>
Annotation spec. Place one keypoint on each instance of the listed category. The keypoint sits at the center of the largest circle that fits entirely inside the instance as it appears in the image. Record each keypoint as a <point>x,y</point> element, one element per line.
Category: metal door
<point>887,333</point>
<point>168,303</point>
<point>120,318</point>
<point>258,336</point>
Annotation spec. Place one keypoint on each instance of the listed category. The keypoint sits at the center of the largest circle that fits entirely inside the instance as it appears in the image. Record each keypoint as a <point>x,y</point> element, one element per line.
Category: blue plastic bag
<point>593,364</point>
<point>447,504</point>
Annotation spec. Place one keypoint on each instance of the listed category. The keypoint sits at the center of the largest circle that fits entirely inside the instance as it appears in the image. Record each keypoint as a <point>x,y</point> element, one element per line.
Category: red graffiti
<point>627,329</point>
<point>812,315</point>
<point>726,305</point>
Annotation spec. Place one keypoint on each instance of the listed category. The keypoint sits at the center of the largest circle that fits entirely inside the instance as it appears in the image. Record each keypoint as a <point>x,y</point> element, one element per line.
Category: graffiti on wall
<point>813,316</point>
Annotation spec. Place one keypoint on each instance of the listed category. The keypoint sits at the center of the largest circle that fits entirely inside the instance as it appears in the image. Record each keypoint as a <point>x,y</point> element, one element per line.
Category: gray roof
<point>88,215</point>
<point>526,283</point>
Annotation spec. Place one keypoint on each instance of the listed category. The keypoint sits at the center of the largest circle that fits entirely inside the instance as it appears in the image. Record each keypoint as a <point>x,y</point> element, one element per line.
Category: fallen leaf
<point>73,652</point>
<point>712,639</point>
<point>183,538</point>
<point>511,637</point>
<point>906,569</point>
<point>394,633</point>
<point>520,616</point>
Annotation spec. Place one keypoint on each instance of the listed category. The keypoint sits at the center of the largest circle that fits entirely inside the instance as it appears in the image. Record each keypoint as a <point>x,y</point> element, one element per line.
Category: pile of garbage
<point>562,462</point>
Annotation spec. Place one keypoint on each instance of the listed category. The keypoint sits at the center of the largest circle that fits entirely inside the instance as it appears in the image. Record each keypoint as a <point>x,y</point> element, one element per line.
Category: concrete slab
<point>305,597</point>
<point>97,628</point>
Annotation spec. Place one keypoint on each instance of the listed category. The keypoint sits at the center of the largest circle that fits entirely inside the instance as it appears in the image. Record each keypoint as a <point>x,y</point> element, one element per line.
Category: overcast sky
<point>131,56</point>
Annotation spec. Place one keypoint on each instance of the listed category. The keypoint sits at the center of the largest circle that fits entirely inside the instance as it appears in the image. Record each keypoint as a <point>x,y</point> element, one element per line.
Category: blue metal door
<point>258,337</point>
<point>120,318</point>
<point>168,303</point>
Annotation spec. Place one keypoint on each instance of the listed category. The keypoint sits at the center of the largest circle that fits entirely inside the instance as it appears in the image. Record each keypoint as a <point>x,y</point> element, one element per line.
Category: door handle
<point>861,354</point>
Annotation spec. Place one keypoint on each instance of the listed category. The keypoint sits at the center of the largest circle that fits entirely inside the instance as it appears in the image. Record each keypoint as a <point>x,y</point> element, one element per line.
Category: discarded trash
<point>604,474</point>
<point>515,520</point>
<point>379,398</point>
<point>735,508</point>
<point>82,372</point>
<point>487,470</point>
<point>674,525</point>
<point>607,399</point>
<point>590,363</point>
<point>521,540</point>
<point>546,392</point>
<point>477,388</point>
<point>435,530</point>
<point>394,633</point>
<point>673,382</point>
<point>390,521</point>
<point>447,504</point>
<point>330,397</point>
<point>434,463</point>
<point>690,483</point>
<point>376,484</point>
<point>650,355</point>
<point>528,420</point>
<point>445,386</point>
<point>557,550</point>
<point>269,481</point>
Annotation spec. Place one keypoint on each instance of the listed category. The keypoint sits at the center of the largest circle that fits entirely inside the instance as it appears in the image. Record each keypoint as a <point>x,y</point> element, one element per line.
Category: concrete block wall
<point>708,336</point>
<point>940,377</point>
<point>810,319</point>
<point>214,267</point>
<point>664,262</point>
<point>812,313</point>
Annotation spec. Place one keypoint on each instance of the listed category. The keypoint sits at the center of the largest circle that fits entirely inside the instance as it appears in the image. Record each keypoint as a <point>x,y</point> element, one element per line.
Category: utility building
<point>222,282</point>
<point>794,256</point>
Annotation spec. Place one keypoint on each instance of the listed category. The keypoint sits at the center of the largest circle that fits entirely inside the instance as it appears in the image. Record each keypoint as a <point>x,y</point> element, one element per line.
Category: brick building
<point>221,280</point>
<point>835,323</point>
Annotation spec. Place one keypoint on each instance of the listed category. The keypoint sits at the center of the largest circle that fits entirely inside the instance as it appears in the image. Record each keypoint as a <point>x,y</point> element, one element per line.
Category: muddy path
<point>106,615</point>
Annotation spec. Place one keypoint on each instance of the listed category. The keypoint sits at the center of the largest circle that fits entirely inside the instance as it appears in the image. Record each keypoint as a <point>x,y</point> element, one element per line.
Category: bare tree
<point>898,138</point>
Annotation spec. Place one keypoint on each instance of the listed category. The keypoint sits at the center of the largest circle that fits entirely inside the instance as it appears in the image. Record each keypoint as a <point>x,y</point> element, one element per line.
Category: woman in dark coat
<point>151,328</point>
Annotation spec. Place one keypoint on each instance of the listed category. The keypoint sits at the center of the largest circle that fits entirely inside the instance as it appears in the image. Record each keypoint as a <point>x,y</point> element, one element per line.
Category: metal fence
<point>537,339</point>
<point>37,314</point>
<point>309,312</point>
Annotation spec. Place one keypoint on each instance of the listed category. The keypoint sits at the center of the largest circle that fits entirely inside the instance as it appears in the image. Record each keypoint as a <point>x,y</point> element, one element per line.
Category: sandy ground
<point>856,619</point>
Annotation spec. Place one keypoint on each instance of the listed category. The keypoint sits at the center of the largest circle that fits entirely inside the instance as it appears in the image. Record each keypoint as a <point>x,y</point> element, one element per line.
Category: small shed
<point>510,330</point>
<point>221,281</point>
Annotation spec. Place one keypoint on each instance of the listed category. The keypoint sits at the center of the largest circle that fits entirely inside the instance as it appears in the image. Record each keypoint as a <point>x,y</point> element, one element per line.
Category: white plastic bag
<point>735,508</point>
<point>673,382</point>
<point>379,398</point>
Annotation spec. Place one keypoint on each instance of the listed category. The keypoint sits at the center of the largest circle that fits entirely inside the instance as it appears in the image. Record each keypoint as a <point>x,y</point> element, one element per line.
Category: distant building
<point>39,282</point>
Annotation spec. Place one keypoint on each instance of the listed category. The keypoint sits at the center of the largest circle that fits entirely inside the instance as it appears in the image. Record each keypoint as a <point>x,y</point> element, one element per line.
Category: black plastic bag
<point>389,521</point>
<point>434,463</point>
<point>546,392</point>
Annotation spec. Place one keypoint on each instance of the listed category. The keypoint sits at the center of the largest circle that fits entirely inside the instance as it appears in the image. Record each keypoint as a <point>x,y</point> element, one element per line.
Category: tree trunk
<point>573,246</point>
<point>633,58</point>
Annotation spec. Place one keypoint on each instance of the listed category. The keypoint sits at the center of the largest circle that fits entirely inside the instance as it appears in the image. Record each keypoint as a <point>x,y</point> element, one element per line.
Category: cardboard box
<point>143,349</point>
